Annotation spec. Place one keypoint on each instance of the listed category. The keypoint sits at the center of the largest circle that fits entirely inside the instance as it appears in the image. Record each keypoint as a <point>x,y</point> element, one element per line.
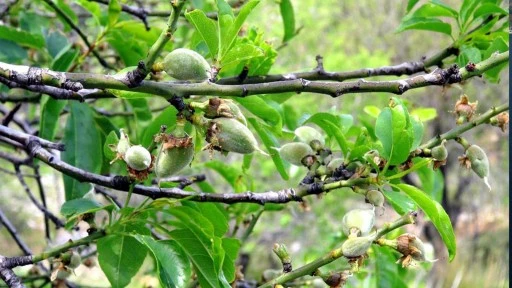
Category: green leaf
<point>392,129</point>
<point>142,114</point>
<point>79,206</point>
<point>83,148</point>
<point>386,271</point>
<point>206,268</point>
<point>433,9</point>
<point>401,203</point>
<point>120,257</point>
<point>467,8</point>
<point>498,45</point>
<point>166,117</point>
<point>12,52</point>
<point>261,109</point>
<point>21,37</point>
<point>56,42</point>
<point>432,181</point>
<point>468,54</point>
<point>437,215</point>
<point>335,131</point>
<point>94,8</point>
<point>173,266</point>
<point>206,28</point>
<point>64,61</point>
<point>487,9</point>
<point>228,29</point>
<point>240,53</point>
<point>372,110</point>
<point>112,139</point>
<point>411,4</point>
<point>270,143</point>
<point>50,112</point>
<point>418,131</point>
<point>424,114</point>
<point>231,247</point>
<point>288,16</point>
<point>423,23</point>
<point>215,213</point>
<point>114,9</point>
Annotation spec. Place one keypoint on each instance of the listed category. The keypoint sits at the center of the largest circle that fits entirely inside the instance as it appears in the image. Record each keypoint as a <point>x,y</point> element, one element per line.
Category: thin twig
<point>14,233</point>
<point>58,223</point>
<point>10,115</point>
<point>70,22</point>
<point>42,195</point>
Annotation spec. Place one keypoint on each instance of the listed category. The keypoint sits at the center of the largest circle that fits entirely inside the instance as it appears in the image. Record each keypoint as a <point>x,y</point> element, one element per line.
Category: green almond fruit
<point>294,152</point>
<point>440,152</point>
<point>138,158</point>
<point>185,64</point>
<point>307,134</point>
<point>228,134</point>
<point>357,246</point>
<point>375,198</point>
<point>172,160</point>
<point>360,219</point>
<point>479,160</point>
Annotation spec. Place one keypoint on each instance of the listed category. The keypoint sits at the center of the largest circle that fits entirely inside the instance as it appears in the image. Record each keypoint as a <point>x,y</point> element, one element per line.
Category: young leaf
<point>423,23</point>
<point>239,54</point>
<point>434,9</point>
<point>487,9</point>
<point>173,266</point>
<point>498,45</point>
<point>417,132</point>
<point>288,16</point>
<point>437,215</point>
<point>392,129</point>
<point>79,206</point>
<point>50,112</point>
<point>411,4</point>
<point>83,148</point>
<point>206,28</point>
<point>114,9</point>
<point>466,9</point>
<point>468,54</point>
<point>424,114</point>
<point>21,37</point>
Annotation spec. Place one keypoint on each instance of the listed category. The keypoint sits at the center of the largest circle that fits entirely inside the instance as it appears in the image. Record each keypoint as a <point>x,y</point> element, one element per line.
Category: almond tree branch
<point>168,90</point>
<point>310,268</point>
<point>135,77</point>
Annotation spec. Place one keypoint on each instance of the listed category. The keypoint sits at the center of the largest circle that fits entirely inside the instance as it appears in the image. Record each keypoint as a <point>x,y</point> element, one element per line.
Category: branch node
<point>73,86</point>
<point>135,77</point>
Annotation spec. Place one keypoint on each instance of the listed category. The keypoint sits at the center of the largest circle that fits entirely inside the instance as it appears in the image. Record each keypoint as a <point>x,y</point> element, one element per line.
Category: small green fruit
<point>138,158</point>
<point>439,152</point>
<point>307,134</point>
<point>360,219</point>
<point>228,134</point>
<point>175,154</point>
<point>375,198</point>
<point>479,161</point>
<point>356,246</point>
<point>61,274</point>
<point>333,164</point>
<point>295,152</point>
<point>185,64</point>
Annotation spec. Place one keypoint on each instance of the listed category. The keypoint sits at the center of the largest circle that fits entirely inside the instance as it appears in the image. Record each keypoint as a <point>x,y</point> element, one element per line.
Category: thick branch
<point>24,138</point>
<point>335,89</point>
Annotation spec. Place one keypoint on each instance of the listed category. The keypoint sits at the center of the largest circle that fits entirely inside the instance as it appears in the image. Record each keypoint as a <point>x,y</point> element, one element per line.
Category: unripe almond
<point>230,135</point>
<point>439,152</point>
<point>217,107</point>
<point>294,152</point>
<point>175,154</point>
<point>479,161</point>
<point>307,134</point>
<point>375,198</point>
<point>185,64</point>
<point>138,158</point>
<point>356,246</point>
<point>360,219</point>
